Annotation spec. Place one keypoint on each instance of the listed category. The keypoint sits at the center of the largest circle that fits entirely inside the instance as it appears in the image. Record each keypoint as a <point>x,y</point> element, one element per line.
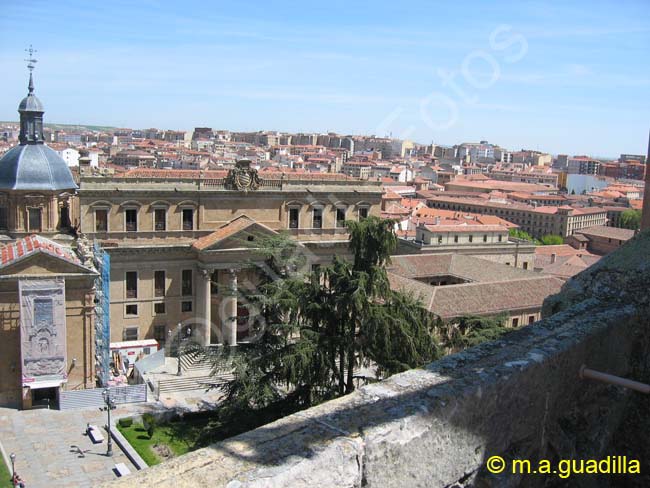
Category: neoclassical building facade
<point>182,242</point>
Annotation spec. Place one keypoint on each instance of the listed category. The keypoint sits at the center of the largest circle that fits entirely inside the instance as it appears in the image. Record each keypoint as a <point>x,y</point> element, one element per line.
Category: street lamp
<point>110,405</point>
<point>178,352</point>
<point>12,456</point>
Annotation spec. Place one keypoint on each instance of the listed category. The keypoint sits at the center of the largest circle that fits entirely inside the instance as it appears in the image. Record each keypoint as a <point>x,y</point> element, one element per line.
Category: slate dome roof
<point>30,103</point>
<point>34,167</point>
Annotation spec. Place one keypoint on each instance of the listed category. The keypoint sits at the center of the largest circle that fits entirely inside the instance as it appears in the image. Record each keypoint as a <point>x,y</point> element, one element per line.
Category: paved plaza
<point>42,441</point>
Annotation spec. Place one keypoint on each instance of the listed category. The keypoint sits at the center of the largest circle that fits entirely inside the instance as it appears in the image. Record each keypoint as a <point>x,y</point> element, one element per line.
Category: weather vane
<point>31,59</point>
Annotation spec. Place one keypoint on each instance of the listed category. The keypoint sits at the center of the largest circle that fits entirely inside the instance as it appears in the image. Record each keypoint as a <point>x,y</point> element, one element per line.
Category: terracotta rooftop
<point>34,244</point>
<point>466,267</point>
<point>227,230</point>
<point>480,298</point>
<point>609,232</point>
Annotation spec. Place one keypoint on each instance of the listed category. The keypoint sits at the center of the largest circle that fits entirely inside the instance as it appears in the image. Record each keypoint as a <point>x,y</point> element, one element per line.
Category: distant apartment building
<point>357,169</point>
<point>531,158</point>
<point>8,134</point>
<point>444,152</point>
<point>202,133</point>
<point>135,158</point>
<point>67,137</point>
<point>582,165</point>
<point>629,169</point>
<point>626,158</point>
<point>560,162</point>
<point>537,221</point>
<point>174,135</point>
<point>525,177</point>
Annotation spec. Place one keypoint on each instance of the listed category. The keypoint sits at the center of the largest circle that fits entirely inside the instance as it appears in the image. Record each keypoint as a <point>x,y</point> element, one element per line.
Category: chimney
<point>84,161</point>
<point>645,213</point>
<point>553,258</point>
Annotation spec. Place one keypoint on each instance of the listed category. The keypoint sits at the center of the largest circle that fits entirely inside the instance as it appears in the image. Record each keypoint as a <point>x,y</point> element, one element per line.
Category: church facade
<point>47,337</point>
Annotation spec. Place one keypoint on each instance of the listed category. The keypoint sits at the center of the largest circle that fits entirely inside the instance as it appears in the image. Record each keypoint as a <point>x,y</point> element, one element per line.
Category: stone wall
<point>519,397</point>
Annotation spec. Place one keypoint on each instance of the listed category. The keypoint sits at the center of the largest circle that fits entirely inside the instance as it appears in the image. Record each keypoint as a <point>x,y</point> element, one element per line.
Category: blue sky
<point>564,77</point>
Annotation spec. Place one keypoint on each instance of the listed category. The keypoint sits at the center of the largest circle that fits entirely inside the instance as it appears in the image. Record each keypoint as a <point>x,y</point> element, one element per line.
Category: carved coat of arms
<point>242,177</point>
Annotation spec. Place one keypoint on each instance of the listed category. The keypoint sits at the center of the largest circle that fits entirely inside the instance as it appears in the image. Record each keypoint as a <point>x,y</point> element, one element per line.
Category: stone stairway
<point>196,375</point>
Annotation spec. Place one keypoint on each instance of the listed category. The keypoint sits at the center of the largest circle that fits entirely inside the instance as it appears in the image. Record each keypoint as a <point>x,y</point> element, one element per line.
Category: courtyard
<point>47,444</point>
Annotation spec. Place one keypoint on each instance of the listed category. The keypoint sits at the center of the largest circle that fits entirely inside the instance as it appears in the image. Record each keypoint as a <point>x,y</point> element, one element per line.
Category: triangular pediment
<point>41,263</point>
<point>38,255</point>
<point>240,232</point>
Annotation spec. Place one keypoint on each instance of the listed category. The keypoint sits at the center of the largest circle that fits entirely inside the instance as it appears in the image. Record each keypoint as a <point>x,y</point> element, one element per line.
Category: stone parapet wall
<point>520,397</point>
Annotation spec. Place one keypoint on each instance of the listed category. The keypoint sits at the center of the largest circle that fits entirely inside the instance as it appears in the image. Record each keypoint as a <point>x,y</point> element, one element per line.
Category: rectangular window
<point>340,217</point>
<point>531,319</point>
<point>159,308</point>
<point>186,282</point>
<point>159,333</point>
<point>131,284</point>
<point>484,238</point>
<point>439,239</point>
<point>34,220</point>
<point>471,238</point>
<point>131,309</point>
<point>160,219</point>
<point>4,218</point>
<point>363,213</point>
<point>455,238</point>
<point>131,334</point>
<point>188,219</point>
<point>318,218</point>
<point>525,264</point>
<point>186,306</point>
<point>294,215</point>
<point>500,237</point>
<point>101,220</point>
<point>515,322</point>
<point>159,284</point>
<point>131,219</point>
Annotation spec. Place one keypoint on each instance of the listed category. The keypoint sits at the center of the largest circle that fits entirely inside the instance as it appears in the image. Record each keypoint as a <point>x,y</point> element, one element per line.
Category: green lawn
<point>5,475</point>
<point>180,437</point>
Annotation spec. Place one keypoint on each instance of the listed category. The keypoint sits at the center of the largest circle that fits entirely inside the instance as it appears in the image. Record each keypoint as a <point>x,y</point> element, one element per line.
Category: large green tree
<point>521,234</point>
<point>470,330</point>
<point>551,240</point>
<point>630,219</point>
<point>320,325</point>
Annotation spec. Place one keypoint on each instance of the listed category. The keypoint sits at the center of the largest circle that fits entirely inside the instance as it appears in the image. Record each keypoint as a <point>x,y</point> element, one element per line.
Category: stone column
<point>204,308</point>
<point>230,310</point>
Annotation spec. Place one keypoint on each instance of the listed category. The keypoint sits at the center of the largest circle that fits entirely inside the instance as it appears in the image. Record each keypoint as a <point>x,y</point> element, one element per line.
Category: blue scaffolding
<point>102,263</point>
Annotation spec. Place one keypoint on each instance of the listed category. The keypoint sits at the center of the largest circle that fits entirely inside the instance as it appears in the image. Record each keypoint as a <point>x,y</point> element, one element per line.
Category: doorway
<point>45,397</point>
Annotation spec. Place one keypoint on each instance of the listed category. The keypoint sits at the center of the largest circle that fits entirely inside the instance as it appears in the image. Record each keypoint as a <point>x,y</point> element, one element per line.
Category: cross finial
<point>31,60</point>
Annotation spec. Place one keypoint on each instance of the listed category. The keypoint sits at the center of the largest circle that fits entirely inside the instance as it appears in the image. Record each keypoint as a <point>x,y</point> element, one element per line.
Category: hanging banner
<point>42,331</point>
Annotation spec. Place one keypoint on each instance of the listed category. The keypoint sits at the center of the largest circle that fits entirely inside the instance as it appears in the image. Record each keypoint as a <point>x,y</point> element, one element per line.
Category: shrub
<point>125,422</point>
<point>149,423</point>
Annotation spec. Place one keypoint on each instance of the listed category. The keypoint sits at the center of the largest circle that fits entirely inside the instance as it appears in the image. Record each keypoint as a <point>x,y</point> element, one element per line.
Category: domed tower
<point>36,185</point>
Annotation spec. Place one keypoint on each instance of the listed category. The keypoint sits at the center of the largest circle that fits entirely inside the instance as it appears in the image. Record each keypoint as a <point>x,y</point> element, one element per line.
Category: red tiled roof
<point>34,244</point>
<point>227,230</point>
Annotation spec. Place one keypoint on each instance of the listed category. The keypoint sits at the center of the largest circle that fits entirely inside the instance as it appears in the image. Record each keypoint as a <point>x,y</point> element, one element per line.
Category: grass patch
<point>179,437</point>
<point>194,430</point>
<point>5,475</point>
